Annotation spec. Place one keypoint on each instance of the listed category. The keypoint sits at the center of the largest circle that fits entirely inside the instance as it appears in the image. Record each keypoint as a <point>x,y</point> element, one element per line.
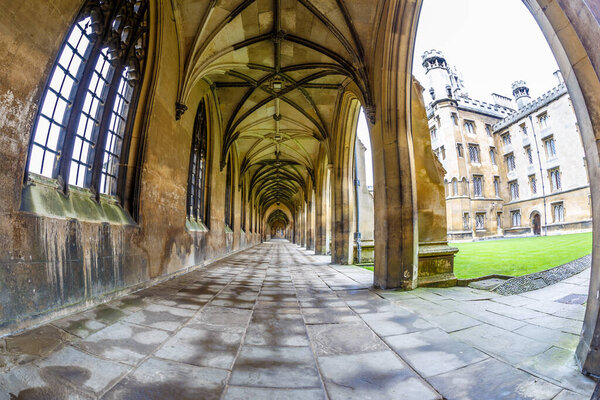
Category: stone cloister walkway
<point>276,322</point>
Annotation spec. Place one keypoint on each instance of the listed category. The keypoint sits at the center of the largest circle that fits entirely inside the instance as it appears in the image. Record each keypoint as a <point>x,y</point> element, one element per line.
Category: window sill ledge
<point>193,225</point>
<point>42,196</point>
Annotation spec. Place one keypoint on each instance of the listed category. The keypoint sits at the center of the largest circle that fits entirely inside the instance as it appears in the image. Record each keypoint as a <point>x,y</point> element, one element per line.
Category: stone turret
<point>521,93</point>
<point>438,75</point>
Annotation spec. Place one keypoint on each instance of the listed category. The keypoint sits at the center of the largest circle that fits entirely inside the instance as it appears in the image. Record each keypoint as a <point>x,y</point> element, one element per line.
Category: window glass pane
<point>114,139</point>
<point>53,111</point>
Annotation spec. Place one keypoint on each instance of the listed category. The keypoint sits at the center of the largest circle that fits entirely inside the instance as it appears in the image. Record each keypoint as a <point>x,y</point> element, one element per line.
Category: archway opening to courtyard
<point>516,162</point>
<point>507,136</point>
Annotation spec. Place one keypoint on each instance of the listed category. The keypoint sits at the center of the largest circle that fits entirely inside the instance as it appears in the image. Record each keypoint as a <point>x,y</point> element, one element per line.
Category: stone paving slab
<point>275,367</point>
<point>276,322</point>
<point>433,351</point>
<point>493,379</point>
<point>160,379</point>
<point>123,342</point>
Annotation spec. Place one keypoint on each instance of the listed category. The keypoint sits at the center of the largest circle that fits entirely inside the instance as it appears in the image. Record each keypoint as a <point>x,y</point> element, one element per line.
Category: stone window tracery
<point>514,190</point>
<point>83,126</point>
<point>474,154</point>
<point>533,184</point>
<point>480,221</point>
<point>529,154</point>
<point>497,186</point>
<point>478,186</point>
<point>229,195</point>
<point>550,147</point>
<point>470,127</point>
<point>554,176</point>
<point>558,212</point>
<point>493,155</point>
<point>197,201</point>
<point>459,150</point>
<point>510,162</point>
<point>516,218</point>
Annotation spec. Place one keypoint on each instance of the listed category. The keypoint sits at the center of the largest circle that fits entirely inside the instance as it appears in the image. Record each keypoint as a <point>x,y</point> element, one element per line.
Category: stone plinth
<point>436,265</point>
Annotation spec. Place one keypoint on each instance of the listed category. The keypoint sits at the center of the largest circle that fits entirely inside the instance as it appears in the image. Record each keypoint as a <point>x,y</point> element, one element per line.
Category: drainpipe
<point>357,206</point>
<point>537,149</point>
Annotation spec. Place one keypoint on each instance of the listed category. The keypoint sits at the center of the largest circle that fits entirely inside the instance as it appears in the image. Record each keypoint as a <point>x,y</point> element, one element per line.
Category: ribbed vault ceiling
<point>277,68</point>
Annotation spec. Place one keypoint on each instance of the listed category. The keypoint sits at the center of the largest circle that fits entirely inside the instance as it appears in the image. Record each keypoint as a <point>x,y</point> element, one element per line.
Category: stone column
<point>341,252</point>
<point>320,223</point>
<point>436,258</point>
<point>396,228</point>
<point>302,226</point>
<point>310,242</point>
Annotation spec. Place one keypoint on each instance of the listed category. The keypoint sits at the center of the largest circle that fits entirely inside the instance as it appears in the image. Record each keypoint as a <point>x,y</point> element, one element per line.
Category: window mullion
<point>66,152</point>
<point>103,130</point>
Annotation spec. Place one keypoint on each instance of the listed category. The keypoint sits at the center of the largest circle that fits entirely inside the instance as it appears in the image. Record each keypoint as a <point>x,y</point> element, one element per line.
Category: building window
<point>454,118</point>
<point>229,195</point>
<point>554,176</point>
<point>477,186</point>
<point>493,155</point>
<point>488,130</point>
<point>465,187</point>
<point>515,217</point>
<point>433,132</point>
<point>470,127</point>
<point>514,190</point>
<point>550,147</point>
<point>499,220</point>
<point>243,207</point>
<point>474,153</point>
<point>480,221</point>
<point>497,186</point>
<point>543,120</point>
<point>83,126</point>
<point>459,150</point>
<point>438,121</point>
<point>454,187</point>
<point>466,222</point>
<point>506,139</point>
<point>443,150</point>
<point>197,202</point>
<point>510,162</point>
<point>529,154</point>
<point>533,184</point>
<point>523,129</point>
<point>558,212</point>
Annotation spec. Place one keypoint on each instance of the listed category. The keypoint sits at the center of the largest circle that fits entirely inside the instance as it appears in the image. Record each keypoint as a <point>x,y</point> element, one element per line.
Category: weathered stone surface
<point>433,352</point>
<point>272,352</point>
<point>282,367</point>
<point>123,342</point>
<point>161,379</point>
<point>494,380</point>
<point>359,376</point>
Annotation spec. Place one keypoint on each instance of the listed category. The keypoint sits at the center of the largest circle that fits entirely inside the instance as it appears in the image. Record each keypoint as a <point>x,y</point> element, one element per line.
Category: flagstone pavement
<point>277,322</point>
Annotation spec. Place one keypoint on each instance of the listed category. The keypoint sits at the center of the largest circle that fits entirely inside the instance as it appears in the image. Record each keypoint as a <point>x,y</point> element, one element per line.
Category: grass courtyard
<point>519,256</point>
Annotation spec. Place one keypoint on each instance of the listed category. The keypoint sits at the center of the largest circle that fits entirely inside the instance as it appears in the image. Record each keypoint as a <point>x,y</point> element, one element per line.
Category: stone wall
<point>52,264</point>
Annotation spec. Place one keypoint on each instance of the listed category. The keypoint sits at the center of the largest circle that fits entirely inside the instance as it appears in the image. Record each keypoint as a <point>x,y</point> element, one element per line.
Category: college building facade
<point>514,167</point>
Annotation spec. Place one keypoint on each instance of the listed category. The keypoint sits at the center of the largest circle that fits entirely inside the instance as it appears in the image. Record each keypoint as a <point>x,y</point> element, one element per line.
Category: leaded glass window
<point>89,101</point>
<point>197,202</point>
<point>229,195</point>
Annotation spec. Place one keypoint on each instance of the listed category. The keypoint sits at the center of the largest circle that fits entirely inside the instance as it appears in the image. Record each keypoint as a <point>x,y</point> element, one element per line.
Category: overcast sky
<point>491,42</point>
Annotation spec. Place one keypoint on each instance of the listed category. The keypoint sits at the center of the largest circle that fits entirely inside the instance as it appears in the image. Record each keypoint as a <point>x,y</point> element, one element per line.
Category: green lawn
<point>519,256</point>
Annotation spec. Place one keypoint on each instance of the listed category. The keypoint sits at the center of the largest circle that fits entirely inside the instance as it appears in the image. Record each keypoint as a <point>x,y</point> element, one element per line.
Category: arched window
<point>229,196</point>
<point>243,205</point>
<point>90,98</point>
<point>198,189</point>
